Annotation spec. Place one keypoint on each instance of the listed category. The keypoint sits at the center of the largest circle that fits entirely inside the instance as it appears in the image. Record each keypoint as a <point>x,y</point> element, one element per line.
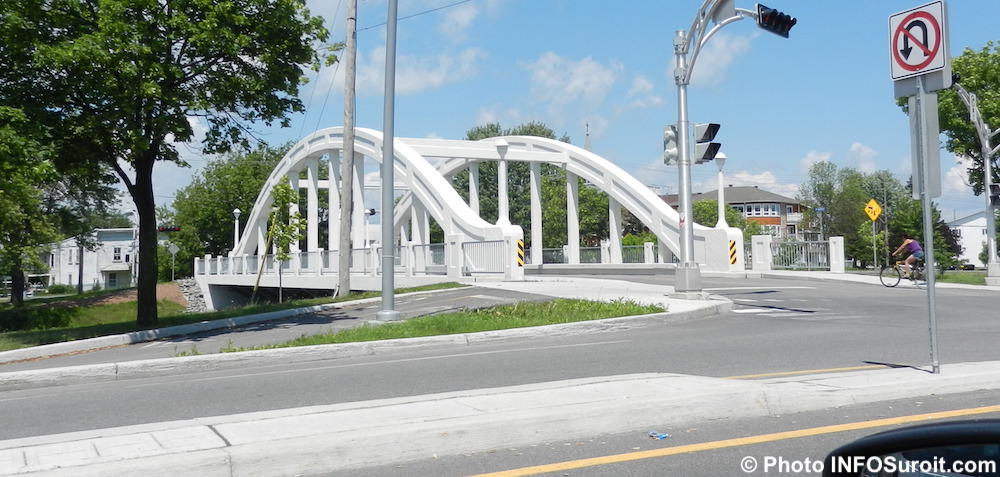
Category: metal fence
<point>800,255</point>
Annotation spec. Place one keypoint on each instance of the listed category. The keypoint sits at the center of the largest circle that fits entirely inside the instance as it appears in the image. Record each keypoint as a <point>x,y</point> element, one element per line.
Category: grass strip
<point>518,315</point>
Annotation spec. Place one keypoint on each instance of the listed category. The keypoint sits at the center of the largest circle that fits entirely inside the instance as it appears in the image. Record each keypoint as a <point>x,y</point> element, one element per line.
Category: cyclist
<point>915,251</point>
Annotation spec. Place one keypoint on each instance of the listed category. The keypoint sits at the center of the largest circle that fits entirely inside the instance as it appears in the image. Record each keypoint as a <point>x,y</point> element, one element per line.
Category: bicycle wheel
<point>918,278</point>
<point>890,276</point>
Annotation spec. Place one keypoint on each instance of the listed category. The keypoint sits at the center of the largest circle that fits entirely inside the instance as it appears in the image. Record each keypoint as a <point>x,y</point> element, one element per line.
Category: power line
<point>418,14</point>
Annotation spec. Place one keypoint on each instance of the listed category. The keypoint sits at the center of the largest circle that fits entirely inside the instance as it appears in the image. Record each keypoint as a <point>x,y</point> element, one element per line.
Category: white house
<point>111,265</point>
<point>971,232</point>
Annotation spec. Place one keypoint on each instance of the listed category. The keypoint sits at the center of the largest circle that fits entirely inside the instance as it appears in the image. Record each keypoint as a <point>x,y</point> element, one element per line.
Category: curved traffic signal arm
<point>774,21</point>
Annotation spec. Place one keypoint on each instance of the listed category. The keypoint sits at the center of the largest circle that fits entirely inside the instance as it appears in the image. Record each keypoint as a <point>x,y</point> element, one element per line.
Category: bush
<point>60,289</point>
<point>34,318</point>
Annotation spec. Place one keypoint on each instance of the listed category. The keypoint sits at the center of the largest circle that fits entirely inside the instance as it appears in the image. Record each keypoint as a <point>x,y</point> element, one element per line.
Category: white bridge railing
<point>477,258</point>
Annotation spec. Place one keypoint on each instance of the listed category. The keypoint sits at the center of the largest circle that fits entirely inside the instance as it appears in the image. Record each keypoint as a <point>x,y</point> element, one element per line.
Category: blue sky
<point>823,94</point>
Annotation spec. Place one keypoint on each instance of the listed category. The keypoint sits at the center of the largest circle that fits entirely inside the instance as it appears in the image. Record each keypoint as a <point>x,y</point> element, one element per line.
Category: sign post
<point>873,210</point>
<point>920,64</point>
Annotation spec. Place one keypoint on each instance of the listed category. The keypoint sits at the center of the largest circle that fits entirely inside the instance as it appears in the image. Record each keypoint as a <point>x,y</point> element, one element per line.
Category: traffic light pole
<point>971,102</point>
<point>688,277</point>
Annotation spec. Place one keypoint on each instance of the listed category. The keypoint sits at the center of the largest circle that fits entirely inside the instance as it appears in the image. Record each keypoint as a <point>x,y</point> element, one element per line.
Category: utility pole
<point>347,163</point>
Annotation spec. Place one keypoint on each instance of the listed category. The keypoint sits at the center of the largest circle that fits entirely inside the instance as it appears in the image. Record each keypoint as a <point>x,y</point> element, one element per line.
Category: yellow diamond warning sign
<point>873,210</point>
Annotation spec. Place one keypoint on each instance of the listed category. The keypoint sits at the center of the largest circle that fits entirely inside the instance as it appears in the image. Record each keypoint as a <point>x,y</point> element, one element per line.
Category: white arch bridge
<point>472,246</point>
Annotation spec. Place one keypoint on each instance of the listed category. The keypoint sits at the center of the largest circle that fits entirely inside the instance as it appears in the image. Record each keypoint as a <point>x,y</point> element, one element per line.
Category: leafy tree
<point>120,81</point>
<point>979,73</point>
<point>204,208</point>
<point>23,229</point>
<point>706,212</point>
<point>283,228</point>
<point>909,221</point>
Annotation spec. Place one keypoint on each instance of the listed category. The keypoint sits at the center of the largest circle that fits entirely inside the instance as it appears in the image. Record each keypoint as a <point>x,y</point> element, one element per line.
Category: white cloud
<point>764,180</point>
<point>862,158</point>
<point>415,74</point>
<point>559,80</point>
<point>811,158</point>
<point>457,21</point>
<point>641,94</point>
<point>713,60</point>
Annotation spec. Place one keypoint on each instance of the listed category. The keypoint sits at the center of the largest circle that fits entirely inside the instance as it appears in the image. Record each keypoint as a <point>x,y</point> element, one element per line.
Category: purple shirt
<point>913,247</point>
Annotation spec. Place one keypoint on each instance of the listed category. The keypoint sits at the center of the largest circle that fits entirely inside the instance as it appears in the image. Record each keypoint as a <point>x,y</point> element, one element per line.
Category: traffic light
<point>704,149</point>
<point>994,194</point>
<point>168,228</point>
<point>670,144</point>
<point>370,212</point>
<point>774,21</point>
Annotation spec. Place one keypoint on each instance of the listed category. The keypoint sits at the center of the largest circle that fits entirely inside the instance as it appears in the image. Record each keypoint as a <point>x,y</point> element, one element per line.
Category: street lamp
<point>720,160</point>
<point>503,204</point>
<point>236,230</point>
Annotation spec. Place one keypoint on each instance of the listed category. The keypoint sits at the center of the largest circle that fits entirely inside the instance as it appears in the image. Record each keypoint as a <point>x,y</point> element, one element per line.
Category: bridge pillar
<point>615,230</point>
<point>453,254</point>
<point>535,183</point>
<point>573,218</point>
<point>760,248</point>
<point>837,254</point>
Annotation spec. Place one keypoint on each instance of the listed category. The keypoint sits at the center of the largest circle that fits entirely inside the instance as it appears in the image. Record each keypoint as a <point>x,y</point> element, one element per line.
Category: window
<point>117,254</point>
<point>789,209</point>
<point>112,280</point>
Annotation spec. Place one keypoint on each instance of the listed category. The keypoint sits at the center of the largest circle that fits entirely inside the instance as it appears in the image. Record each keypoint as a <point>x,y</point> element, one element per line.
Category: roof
<point>737,195</point>
<point>968,219</point>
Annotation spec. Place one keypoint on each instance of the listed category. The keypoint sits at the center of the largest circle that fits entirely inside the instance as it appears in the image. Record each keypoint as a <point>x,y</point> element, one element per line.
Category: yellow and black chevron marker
<point>520,253</point>
<point>732,252</point>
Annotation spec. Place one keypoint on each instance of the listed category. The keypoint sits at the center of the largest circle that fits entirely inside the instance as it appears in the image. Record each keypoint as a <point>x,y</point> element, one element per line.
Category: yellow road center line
<point>740,441</point>
<point>806,371</point>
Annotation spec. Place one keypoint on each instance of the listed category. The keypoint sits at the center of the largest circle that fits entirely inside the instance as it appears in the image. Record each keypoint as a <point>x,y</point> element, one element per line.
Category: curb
<point>355,435</point>
<point>96,373</point>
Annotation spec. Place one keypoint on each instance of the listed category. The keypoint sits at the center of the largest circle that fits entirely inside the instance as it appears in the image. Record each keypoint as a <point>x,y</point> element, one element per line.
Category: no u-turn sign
<point>917,41</point>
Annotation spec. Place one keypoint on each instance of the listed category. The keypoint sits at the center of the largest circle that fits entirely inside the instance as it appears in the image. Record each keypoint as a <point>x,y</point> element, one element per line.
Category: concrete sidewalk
<point>320,439</point>
<point>334,438</point>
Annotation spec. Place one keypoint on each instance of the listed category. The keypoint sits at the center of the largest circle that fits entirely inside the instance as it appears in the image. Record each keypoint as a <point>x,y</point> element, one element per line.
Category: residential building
<point>971,233</point>
<point>778,215</point>
<point>110,265</point>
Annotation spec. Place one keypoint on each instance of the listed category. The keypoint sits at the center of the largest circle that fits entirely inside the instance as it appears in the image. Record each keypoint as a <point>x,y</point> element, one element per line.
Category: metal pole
<point>928,217</point>
<point>688,275</point>
<point>720,160</point>
<point>389,312</point>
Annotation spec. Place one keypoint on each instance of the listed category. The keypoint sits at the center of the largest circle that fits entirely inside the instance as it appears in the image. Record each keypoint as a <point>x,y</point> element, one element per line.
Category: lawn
<point>54,320</point>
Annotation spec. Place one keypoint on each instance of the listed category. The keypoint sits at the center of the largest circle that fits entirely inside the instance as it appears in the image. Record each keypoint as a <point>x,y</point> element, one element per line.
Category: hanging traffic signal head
<point>670,144</point>
<point>704,149</point>
<point>994,191</point>
<point>774,21</point>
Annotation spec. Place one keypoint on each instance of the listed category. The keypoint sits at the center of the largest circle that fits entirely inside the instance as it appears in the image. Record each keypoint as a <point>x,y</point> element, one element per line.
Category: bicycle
<point>891,276</point>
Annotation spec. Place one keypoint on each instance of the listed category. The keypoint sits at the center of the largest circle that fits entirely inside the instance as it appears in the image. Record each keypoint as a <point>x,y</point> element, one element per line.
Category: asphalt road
<point>778,326</point>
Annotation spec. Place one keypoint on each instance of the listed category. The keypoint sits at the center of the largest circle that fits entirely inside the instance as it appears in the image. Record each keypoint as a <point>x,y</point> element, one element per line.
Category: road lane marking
<point>739,441</point>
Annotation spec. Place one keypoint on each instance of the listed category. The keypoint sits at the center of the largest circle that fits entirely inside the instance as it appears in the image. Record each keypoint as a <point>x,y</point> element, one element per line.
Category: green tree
<point>121,80</point>
<point>24,229</point>
<point>979,73</point>
<point>204,208</point>
<point>283,228</point>
<point>706,212</point>
<point>909,221</point>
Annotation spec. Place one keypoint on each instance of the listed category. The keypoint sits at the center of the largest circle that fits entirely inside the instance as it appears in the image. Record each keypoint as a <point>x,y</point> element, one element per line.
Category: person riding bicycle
<point>915,251</point>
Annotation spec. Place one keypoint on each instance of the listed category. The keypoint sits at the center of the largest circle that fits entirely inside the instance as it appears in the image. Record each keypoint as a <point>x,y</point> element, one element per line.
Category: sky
<point>824,94</point>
